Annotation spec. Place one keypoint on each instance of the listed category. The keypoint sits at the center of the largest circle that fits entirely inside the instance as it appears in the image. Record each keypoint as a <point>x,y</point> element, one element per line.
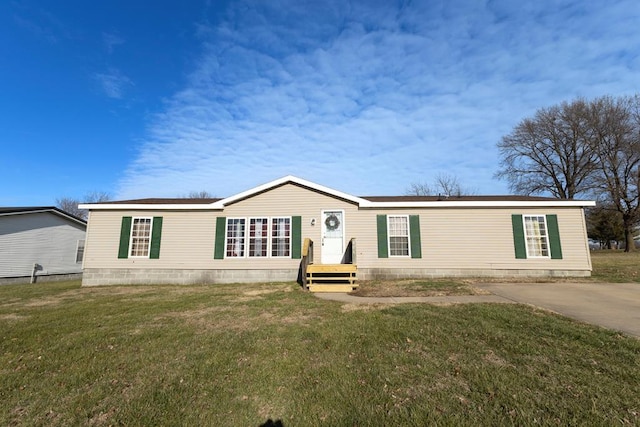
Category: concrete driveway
<point>612,305</point>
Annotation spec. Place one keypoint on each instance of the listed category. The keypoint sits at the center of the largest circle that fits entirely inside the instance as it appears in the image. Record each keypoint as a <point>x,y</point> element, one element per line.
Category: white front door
<point>332,237</point>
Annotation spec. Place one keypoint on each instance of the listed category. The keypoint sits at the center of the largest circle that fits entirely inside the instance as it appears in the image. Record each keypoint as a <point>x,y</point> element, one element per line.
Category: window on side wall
<point>140,237</point>
<point>80,251</point>
<point>536,236</point>
<point>235,237</point>
<point>398,227</point>
<point>280,237</point>
<point>258,237</point>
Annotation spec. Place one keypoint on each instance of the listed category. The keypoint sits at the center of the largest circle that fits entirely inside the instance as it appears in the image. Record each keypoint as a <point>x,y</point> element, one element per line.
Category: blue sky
<point>158,99</point>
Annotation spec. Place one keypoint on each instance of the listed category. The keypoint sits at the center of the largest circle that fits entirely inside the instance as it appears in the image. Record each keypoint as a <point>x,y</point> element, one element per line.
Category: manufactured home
<point>293,229</point>
<point>38,243</point>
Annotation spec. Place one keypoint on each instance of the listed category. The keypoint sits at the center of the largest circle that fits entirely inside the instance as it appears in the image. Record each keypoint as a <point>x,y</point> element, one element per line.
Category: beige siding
<point>188,237</point>
<point>187,240</point>
<point>473,239</point>
<point>460,238</point>
<point>290,200</point>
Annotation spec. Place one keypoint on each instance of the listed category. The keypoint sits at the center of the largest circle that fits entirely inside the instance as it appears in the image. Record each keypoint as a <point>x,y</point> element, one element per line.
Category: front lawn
<point>608,266</point>
<point>418,287</point>
<point>615,266</point>
<point>239,355</point>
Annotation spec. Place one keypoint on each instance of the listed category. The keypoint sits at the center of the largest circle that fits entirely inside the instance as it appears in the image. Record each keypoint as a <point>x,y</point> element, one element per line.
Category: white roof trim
<point>147,206</point>
<point>479,204</point>
<point>289,178</point>
<point>220,204</point>
<point>363,203</point>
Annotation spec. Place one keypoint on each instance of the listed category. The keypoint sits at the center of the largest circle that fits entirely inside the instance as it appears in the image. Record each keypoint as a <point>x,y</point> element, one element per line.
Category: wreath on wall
<point>332,222</point>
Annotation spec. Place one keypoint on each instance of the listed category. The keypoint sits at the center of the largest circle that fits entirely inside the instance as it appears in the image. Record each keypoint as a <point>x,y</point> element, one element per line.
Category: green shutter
<point>518,237</point>
<point>221,229</point>
<point>383,248</point>
<point>125,234</point>
<point>414,233</point>
<point>554,237</point>
<point>156,233</point>
<point>296,237</point>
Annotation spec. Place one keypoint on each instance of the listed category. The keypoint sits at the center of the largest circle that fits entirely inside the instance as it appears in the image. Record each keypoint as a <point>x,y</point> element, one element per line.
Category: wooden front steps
<point>331,277</point>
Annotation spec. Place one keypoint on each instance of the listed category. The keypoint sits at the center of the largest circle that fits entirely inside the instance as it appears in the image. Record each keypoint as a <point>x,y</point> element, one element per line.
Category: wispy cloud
<point>368,98</point>
<point>113,83</point>
<point>111,40</point>
<point>40,23</point>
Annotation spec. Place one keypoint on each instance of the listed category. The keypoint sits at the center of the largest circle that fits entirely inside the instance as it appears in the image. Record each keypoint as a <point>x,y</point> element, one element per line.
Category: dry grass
<point>422,287</point>
<point>243,354</point>
<point>615,266</point>
<point>608,266</point>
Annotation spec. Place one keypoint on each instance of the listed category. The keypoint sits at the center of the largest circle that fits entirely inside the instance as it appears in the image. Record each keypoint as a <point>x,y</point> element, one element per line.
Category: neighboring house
<point>40,241</point>
<point>272,232</point>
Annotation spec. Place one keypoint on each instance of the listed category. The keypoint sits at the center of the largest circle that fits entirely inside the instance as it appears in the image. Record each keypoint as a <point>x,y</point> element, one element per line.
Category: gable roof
<point>371,202</point>
<point>6,211</point>
<point>219,204</point>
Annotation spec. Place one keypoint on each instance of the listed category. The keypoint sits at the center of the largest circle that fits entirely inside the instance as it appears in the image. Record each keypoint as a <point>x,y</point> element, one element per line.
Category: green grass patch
<point>413,287</point>
<point>242,354</point>
<point>609,266</point>
<point>615,266</point>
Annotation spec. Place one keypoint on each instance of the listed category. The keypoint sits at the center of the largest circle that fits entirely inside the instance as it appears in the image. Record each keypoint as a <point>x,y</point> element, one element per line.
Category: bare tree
<point>550,153</point>
<point>449,185</point>
<point>200,195</point>
<point>580,148</point>
<point>445,185</point>
<point>616,125</point>
<point>418,189</point>
<point>96,197</point>
<point>70,204</point>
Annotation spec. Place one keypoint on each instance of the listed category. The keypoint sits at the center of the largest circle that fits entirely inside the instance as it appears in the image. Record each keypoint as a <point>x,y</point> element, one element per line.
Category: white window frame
<point>267,238</point>
<point>287,238</point>
<point>389,236</point>
<point>78,245</point>
<point>131,237</point>
<point>246,245</point>
<point>542,237</point>
<point>243,247</point>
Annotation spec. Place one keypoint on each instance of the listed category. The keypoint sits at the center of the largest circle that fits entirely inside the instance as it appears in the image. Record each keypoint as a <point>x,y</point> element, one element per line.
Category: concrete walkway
<point>611,305</point>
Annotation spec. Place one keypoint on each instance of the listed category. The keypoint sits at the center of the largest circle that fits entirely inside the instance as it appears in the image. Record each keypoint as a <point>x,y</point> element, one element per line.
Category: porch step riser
<point>332,288</point>
<point>332,268</point>
<point>331,278</point>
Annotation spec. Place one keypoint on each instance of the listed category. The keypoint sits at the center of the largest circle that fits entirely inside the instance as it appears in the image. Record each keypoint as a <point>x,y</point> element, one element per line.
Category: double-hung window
<point>280,237</point>
<point>235,237</point>
<point>80,251</point>
<point>258,237</point>
<point>398,235</point>
<point>140,237</point>
<point>535,229</point>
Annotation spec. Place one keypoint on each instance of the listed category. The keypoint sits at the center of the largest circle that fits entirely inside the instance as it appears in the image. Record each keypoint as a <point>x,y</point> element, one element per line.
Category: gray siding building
<point>40,242</point>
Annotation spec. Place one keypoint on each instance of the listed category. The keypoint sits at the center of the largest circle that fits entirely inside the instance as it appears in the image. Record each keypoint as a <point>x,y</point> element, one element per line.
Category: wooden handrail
<point>307,258</point>
<point>305,246</point>
<point>349,256</point>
